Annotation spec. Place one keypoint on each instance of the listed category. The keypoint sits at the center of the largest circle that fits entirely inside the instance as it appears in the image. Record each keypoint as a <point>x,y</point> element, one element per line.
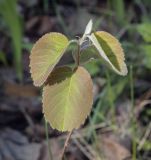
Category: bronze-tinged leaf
<point>45,54</point>
<point>67,98</point>
<point>110,50</point>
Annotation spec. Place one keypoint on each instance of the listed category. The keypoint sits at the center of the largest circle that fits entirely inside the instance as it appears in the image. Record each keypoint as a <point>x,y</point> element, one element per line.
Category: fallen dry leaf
<point>112,149</point>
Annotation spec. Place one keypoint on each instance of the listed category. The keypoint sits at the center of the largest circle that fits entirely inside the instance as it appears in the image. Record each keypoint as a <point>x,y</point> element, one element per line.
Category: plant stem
<point>48,142</point>
<point>66,144</point>
<point>133,120</point>
<point>110,95</point>
<point>78,54</point>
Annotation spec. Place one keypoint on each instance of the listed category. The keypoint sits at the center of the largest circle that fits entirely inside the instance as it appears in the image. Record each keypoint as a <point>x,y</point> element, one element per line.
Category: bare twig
<point>141,105</point>
<point>83,149</point>
<point>27,117</point>
<point>102,126</point>
<point>66,144</point>
<point>78,55</point>
<point>88,147</point>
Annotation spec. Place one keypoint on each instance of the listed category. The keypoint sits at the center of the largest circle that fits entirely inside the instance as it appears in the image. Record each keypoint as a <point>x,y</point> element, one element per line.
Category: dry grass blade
<point>83,149</point>
<point>143,140</point>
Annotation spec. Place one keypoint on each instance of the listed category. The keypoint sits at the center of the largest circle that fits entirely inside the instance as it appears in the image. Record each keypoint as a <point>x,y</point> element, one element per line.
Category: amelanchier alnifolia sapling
<point>68,92</point>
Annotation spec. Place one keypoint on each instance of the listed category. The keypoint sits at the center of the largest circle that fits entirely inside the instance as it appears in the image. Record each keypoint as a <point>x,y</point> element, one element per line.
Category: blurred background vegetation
<point>119,127</point>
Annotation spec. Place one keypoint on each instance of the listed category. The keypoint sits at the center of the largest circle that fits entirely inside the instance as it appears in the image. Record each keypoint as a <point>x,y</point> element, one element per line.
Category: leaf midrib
<point>66,102</point>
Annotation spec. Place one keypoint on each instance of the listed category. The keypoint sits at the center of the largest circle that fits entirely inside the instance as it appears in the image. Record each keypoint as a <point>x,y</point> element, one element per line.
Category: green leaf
<point>110,51</point>
<point>88,54</point>
<point>147,53</point>
<point>93,67</point>
<point>3,58</point>
<point>117,89</point>
<point>45,54</point>
<point>67,98</point>
<point>145,31</point>
<point>147,145</point>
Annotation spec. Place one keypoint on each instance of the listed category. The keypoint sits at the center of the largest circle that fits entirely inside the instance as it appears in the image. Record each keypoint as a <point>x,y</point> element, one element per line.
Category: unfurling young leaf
<point>88,28</point>
<point>67,98</point>
<point>45,55</point>
<point>110,51</point>
<point>87,31</point>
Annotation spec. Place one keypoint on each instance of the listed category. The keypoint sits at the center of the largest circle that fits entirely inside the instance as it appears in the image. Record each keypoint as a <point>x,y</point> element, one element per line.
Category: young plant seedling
<point>68,92</point>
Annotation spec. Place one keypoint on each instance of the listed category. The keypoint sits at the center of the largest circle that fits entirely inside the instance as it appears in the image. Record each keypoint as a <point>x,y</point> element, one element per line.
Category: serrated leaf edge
<point>103,55</point>
<point>50,69</point>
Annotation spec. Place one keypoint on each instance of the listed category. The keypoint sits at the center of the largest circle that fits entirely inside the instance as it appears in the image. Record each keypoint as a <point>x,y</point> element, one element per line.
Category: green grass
<point>8,11</point>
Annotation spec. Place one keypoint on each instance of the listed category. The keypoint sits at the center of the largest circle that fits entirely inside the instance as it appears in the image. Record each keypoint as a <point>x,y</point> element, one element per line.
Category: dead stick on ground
<point>66,144</point>
<point>147,133</point>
